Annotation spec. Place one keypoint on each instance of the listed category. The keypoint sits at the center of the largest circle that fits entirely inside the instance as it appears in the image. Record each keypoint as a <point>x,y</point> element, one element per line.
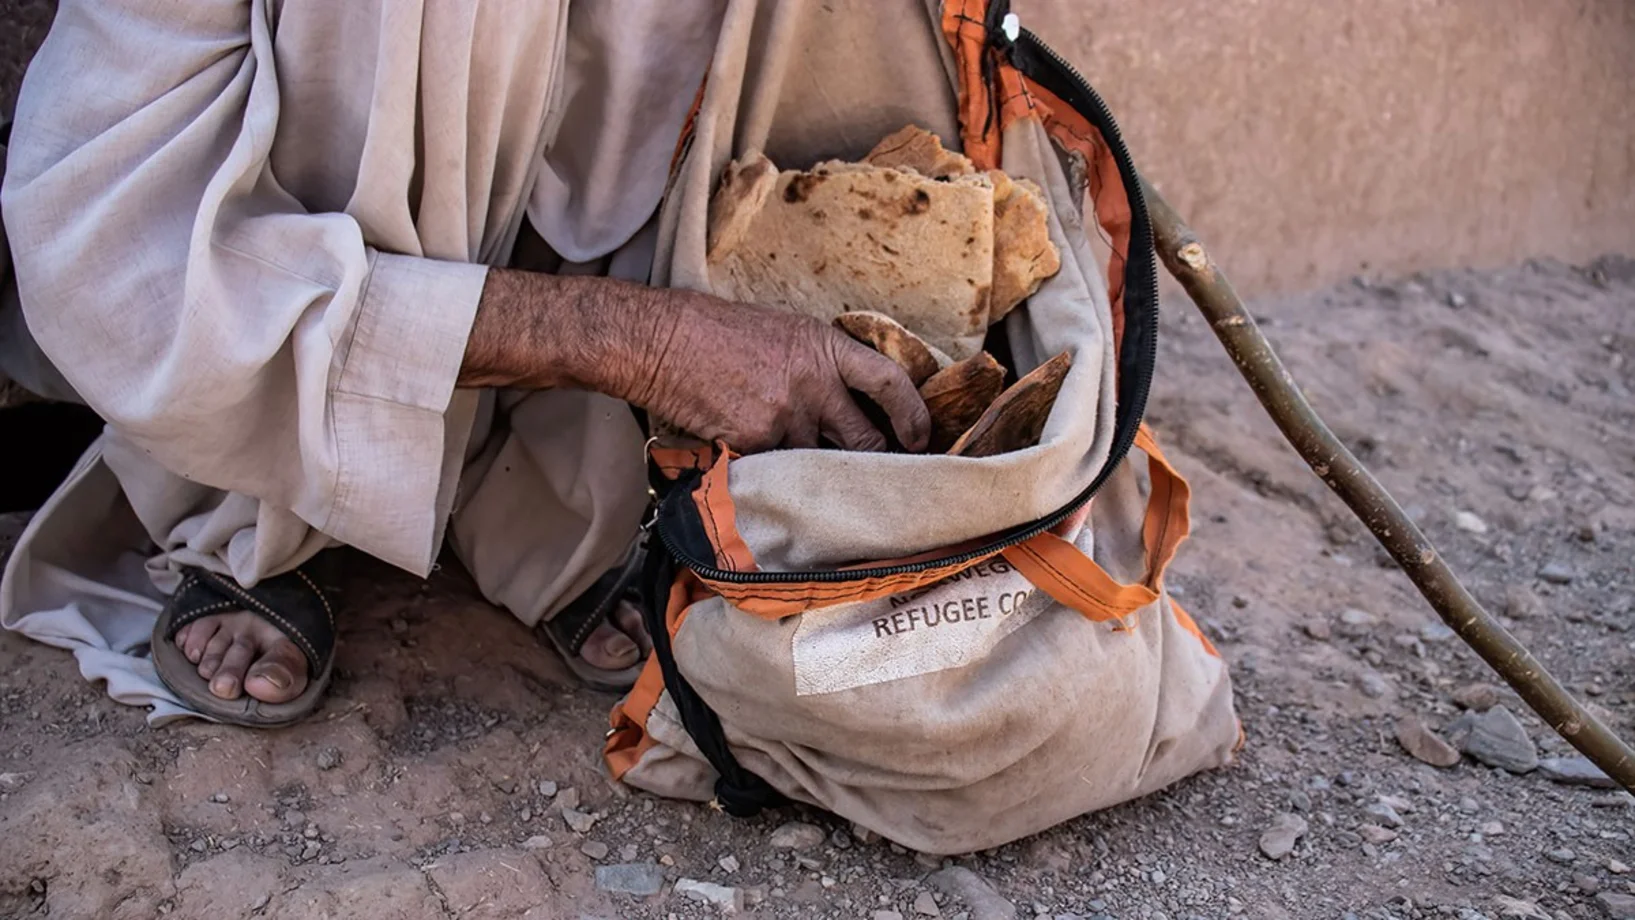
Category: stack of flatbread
<point>912,251</point>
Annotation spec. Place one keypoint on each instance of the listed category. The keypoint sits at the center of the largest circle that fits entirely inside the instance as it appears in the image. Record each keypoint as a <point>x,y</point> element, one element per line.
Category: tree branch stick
<point>1189,262</point>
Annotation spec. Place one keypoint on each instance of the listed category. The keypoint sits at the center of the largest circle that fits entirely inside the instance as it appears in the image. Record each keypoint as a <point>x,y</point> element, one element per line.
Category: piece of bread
<point>1017,418</point>
<point>844,237</point>
<point>917,149</point>
<point>1023,255</point>
<point>888,337</point>
<point>957,395</point>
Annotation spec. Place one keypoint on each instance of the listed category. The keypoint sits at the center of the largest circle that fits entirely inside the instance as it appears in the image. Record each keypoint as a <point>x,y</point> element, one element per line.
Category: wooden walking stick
<point>1189,262</point>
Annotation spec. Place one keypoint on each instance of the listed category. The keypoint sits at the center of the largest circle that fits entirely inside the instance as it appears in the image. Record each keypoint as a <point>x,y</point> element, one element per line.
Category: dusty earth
<point>440,777</point>
<point>434,781</point>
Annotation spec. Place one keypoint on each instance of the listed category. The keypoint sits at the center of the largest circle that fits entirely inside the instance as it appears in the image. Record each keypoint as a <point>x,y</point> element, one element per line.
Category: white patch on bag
<point>955,622</point>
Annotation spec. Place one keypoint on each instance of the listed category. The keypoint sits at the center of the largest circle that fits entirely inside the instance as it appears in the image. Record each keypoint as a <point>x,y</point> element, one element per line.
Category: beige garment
<point>252,235</point>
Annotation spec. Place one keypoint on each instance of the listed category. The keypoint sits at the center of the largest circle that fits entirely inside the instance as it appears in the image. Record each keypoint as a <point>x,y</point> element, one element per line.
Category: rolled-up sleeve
<point>245,342</point>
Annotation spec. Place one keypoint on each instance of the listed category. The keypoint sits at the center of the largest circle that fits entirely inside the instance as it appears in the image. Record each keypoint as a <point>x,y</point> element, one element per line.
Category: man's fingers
<point>802,433</point>
<point>848,427</point>
<point>881,380</point>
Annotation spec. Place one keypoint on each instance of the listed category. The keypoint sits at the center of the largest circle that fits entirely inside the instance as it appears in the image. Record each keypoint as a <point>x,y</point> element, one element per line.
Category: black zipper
<point>1039,63</point>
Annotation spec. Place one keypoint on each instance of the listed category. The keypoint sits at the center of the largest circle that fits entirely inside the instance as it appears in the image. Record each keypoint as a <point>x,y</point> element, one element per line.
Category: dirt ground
<point>433,782</point>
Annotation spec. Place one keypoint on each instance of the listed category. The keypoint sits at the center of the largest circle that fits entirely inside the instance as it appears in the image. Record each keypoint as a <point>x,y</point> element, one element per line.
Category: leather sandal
<point>568,630</point>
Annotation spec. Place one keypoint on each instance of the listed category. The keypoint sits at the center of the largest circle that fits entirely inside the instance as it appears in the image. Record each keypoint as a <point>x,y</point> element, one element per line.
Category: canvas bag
<point>951,652</point>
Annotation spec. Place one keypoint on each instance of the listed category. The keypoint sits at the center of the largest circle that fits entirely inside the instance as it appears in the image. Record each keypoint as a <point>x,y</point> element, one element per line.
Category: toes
<point>279,675</point>
<point>629,621</point>
<point>609,649</point>
<point>229,677</point>
<point>210,657</point>
<point>193,637</point>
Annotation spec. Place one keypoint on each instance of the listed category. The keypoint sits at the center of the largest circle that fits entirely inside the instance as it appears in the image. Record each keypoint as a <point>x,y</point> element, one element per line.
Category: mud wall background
<point>1311,141</point>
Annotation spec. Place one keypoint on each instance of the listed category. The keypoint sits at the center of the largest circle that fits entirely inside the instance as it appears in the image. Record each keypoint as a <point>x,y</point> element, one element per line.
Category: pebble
<point>1491,829</point>
<point>796,835</point>
<point>567,798</point>
<point>641,879</point>
<point>1521,602</point>
<point>628,852</point>
<point>219,798</point>
<point>1278,840</point>
<point>1586,883</point>
<point>1157,877</point>
<point>728,864</point>
<point>1436,632</point>
<point>887,915</point>
<point>1616,867</point>
<point>595,849</point>
<point>1375,834</point>
<point>1477,696</point>
<point>197,845</point>
<point>580,822</point>
<point>1557,573</point>
<point>1469,522</point>
<point>1318,629</point>
<point>1498,740</point>
<point>329,757</point>
<point>1424,744</point>
<point>925,904</point>
<point>984,903</point>
<point>1616,906</point>
<point>1299,801</point>
<point>1355,623</point>
<point>1563,855</point>
<point>537,842</point>
<point>1382,814</point>
<point>1575,771</point>
<point>546,788</point>
<point>727,900</point>
<point>1456,300</point>
<point>1373,685</point>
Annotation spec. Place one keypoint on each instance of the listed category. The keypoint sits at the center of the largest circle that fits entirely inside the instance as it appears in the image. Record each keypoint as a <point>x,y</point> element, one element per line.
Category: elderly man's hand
<point>752,377</point>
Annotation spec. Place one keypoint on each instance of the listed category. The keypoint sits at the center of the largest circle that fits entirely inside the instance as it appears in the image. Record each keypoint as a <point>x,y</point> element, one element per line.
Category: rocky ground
<point>453,771</point>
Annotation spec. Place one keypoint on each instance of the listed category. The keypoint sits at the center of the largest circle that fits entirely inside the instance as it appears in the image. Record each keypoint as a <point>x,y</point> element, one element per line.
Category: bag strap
<point>1074,579</point>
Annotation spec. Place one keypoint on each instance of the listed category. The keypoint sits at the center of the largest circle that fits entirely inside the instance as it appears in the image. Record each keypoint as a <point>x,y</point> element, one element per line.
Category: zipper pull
<point>1011,27</point>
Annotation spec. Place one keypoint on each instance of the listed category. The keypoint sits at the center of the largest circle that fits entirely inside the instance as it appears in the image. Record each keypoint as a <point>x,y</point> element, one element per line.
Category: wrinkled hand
<point>758,378</point>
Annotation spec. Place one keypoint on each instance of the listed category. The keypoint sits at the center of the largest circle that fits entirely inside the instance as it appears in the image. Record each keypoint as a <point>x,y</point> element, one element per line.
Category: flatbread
<point>888,337</point>
<point>1017,418</point>
<point>957,395</point>
<point>844,237</point>
<point>1023,255</point>
<point>917,149</point>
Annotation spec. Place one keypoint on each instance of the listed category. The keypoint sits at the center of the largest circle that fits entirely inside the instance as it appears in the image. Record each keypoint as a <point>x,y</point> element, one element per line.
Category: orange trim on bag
<point>686,136</point>
<point>673,460</point>
<point>1187,623</point>
<point>964,24</point>
<point>628,739</point>
<point>715,509</point>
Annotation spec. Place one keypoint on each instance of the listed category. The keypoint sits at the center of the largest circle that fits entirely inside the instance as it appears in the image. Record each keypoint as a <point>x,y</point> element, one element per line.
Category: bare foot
<point>242,653</point>
<point>618,643</point>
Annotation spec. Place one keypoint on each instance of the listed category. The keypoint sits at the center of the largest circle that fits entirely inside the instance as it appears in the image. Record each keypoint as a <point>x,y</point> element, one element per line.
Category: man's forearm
<point>540,331</point>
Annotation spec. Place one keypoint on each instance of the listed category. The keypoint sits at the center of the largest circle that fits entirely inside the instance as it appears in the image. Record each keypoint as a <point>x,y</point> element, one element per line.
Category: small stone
<point>527,814</point>
<point>537,842</point>
<point>925,904</point>
<point>567,798</point>
<point>1498,740</point>
<point>1616,867</point>
<point>1586,883</point>
<point>984,902</point>
<point>329,757</point>
<point>1469,522</point>
<point>862,834</point>
<point>1375,834</point>
<point>260,902</point>
<point>1615,905</point>
<point>1318,629</point>
<point>198,845</point>
<point>219,798</point>
<point>1278,840</point>
<point>1436,632</point>
<point>1424,744</point>
<point>1575,771</point>
<point>728,864</point>
<point>828,881</point>
<point>485,818</point>
<point>1382,814</point>
<point>1521,602</point>
<point>311,851</point>
<point>727,900</point>
<point>1468,805</point>
<point>796,835</point>
<point>640,879</point>
<point>1299,801</point>
<point>1490,829</point>
<point>887,915</point>
<point>1563,855</point>
<point>1356,623</point>
<point>1157,877</point>
<point>628,852</point>
<point>595,849</point>
<point>456,817</point>
<point>1477,696</point>
<point>667,860</point>
<point>1557,573</point>
<point>1455,300</point>
<point>1373,685</point>
<point>580,822</point>
<point>546,788</point>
